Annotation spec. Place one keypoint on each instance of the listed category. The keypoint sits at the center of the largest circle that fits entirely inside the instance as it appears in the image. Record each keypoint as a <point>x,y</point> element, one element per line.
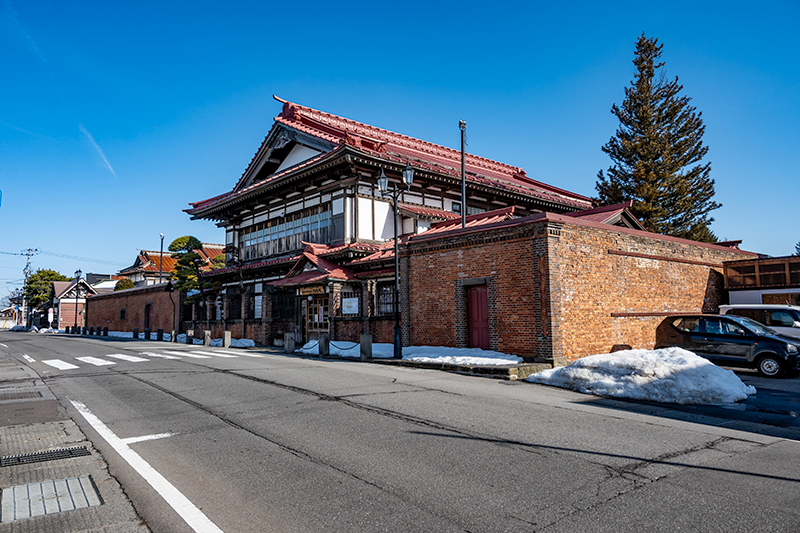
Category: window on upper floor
<point>286,234</point>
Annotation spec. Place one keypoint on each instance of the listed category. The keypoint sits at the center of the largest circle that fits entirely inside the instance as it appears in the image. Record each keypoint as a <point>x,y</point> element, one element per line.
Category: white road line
<point>215,354</point>
<point>131,358</point>
<point>131,440</point>
<point>95,361</point>
<point>188,354</point>
<point>193,516</point>
<point>3,345</point>
<point>161,355</point>
<point>59,364</point>
<point>28,358</point>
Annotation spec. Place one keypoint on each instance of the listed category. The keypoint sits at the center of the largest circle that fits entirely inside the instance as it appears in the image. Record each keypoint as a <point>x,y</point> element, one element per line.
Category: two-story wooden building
<point>313,181</point>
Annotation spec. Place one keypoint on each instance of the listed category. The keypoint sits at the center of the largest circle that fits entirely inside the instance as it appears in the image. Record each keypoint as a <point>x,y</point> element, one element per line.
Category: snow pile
<point>422,354</point>
<point>669,375</point>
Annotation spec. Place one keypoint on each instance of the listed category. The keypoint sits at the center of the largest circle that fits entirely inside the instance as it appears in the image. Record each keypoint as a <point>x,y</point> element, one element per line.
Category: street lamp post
<point>77,292</point>
<point>394,193</point>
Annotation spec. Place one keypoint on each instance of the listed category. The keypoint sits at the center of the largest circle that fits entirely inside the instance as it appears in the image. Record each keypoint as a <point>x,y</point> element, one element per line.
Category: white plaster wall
<point>384,227</point>
<point>298,154</point>
<point>365,218</point>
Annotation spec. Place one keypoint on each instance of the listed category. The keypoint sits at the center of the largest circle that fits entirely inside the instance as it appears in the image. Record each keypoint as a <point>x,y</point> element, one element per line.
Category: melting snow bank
<point>422,354</point>
<point>669,375</point>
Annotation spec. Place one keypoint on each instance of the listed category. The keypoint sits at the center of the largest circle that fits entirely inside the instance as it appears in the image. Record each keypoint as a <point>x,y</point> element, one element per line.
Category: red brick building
<point>554,286</point>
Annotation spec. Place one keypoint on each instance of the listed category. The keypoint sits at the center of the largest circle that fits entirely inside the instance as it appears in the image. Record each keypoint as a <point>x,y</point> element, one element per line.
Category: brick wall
<point>558,288</point>
<point>440,273</point>
<point>103,310</point>
<point>616,287</point>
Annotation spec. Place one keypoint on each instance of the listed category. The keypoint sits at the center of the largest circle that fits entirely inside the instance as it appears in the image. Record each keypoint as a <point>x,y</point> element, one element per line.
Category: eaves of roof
<point>566,219</point>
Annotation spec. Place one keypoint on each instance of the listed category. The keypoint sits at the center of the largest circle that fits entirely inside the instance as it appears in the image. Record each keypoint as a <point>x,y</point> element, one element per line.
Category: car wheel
<point>770,366</point>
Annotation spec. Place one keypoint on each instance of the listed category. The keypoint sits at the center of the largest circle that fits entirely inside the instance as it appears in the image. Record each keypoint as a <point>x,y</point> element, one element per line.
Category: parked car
<point>731,341</point>
<point>782,318</point>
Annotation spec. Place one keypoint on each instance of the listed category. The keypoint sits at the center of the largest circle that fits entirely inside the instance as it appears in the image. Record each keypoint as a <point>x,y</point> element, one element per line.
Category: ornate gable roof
<point>328,134</point>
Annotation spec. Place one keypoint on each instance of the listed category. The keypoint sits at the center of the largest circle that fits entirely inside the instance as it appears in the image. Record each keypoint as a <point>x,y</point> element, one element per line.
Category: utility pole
<point>30,252</point>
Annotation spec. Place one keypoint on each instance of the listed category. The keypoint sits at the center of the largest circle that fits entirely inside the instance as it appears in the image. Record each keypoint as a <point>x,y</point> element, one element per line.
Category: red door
<point>478,317</point>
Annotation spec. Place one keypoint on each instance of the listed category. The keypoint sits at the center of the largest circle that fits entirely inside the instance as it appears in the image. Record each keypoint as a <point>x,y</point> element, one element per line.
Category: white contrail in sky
<point>25,35</point>
<point>97,147</point>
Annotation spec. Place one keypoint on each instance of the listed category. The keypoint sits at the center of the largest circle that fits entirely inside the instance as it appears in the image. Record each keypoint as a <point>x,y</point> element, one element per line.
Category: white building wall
<point>365,218</point>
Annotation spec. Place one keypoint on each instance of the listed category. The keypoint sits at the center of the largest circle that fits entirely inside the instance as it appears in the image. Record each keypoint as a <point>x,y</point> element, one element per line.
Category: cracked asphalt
<point>281,443</point>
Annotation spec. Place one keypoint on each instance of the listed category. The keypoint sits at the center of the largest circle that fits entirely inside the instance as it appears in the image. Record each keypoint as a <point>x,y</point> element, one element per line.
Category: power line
<point>73,257</point>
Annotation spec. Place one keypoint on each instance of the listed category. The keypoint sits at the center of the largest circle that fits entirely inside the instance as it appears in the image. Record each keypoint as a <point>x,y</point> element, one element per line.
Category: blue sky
<point>115,115</point>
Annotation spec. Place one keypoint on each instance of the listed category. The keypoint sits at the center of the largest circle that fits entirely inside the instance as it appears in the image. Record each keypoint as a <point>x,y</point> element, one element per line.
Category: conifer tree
<point>657,154</point>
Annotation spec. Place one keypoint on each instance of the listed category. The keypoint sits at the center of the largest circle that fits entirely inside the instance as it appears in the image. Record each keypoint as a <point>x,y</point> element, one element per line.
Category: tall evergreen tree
<point>657,154</point>
<point>797,249</point>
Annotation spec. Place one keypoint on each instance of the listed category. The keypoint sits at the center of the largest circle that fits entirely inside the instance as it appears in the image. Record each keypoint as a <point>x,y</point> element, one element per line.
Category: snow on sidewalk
<point>669,375</point>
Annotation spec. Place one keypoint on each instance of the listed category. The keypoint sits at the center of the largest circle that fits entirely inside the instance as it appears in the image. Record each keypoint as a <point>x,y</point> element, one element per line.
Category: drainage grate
<point>40,457</point>
<point>19,395</point>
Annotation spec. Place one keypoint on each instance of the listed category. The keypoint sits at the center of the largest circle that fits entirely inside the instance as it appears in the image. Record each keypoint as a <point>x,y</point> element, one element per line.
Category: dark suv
<point>731,341</point>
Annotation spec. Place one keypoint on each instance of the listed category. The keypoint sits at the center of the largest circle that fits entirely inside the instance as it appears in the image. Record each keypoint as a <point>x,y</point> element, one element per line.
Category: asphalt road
<point>260,441</point>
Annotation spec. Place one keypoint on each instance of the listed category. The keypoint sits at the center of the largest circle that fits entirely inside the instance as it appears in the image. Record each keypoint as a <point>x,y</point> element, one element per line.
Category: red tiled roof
<point>388,145</point>
<point>325,270</point>
<point>427,212</point>
<point>151,260</point>
<point>605,213</point>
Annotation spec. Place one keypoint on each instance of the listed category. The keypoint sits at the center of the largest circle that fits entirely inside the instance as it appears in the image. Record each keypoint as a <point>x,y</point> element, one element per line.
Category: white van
<point>784,319</point>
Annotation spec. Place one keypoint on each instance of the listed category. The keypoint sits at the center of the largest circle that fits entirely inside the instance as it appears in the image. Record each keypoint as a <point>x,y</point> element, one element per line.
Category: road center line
<point>193,516</point>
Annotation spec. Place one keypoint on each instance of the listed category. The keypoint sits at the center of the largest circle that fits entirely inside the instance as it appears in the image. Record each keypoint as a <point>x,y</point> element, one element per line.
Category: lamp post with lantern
<point>394,193</point>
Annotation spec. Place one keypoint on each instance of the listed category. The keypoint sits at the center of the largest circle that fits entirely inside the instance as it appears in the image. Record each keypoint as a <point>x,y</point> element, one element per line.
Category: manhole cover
<point>48,497</point>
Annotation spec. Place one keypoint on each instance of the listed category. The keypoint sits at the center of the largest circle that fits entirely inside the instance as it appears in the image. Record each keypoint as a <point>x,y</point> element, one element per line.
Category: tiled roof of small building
<point>152,261</point>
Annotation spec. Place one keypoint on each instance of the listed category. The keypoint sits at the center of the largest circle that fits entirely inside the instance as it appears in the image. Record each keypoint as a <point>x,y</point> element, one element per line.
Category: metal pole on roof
<point>462,125</point>
<point>161,259</point>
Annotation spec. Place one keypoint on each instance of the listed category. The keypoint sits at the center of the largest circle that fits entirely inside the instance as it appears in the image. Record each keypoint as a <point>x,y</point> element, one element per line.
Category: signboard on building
<point>315,289</point>
<point>349,306</point>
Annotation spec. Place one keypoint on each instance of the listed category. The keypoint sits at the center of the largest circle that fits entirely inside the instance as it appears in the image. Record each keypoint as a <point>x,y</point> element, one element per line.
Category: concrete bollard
<point>160,335</point>
<point>172,336</point>
<point>136,333</point>
<point>189,336</point>
<point>226,339</point>
<point>105,332</point>
<point>365,343</point>
<point>288,342</point>
<point>207,338</point>
<point>324,345</point>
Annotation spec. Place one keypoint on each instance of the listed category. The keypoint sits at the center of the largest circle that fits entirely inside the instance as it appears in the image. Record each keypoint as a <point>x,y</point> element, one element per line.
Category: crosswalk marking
<point>131,358</point>
<point>59,364</point>
<point>161,355</point>
<point>188,354</point>
<point>95,361</point>
<point>215,354</point>
<point>28,358</point>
